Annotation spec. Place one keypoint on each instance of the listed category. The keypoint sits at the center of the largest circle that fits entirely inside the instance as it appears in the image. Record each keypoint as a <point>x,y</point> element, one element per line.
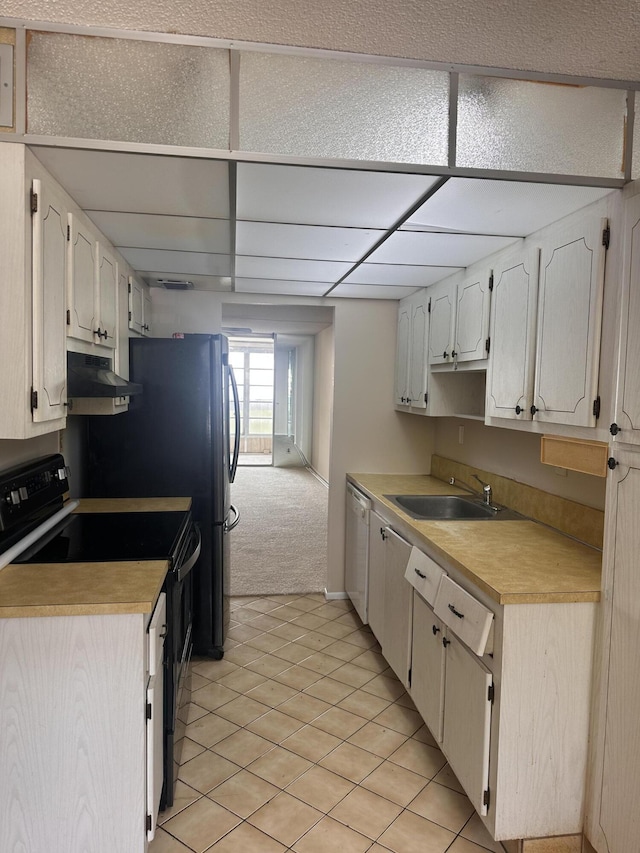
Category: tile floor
<point>302,739</point>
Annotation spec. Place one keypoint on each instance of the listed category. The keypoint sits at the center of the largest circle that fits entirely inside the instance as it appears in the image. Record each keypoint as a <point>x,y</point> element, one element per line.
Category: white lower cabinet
<point>511,717</point>
<point>81,758</point>
<point>389,599</point>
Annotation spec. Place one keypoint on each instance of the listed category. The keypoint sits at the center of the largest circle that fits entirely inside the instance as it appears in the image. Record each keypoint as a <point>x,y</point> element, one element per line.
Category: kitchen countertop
<point>88,589</point>
<point>513,562</point>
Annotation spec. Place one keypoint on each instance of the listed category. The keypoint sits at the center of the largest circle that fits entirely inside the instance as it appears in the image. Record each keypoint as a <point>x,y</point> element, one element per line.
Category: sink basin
<point>450,507</point>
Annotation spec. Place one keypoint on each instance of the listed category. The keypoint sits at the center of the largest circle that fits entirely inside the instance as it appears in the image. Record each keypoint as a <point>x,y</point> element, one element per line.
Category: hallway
<point>302,739</point>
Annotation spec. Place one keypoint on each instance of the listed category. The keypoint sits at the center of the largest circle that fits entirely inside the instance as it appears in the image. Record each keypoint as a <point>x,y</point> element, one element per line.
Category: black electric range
<point>38,526</point>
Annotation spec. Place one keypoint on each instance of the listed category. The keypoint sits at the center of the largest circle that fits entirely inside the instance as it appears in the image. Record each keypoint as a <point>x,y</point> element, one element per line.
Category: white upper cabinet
<point>626,427</point>
<point>411,351</point>
<point>33,253</point>
<point>513,324</point>
<point>442,325</point>
<point>107,296</point>
<point>473,299</point>
<point>569,322</point>
<point>81,280</point>
<point>92,289</point>
<point>49,246</point>
<point>459,327</point>
<point>146,312</point>
<point>139,307</point>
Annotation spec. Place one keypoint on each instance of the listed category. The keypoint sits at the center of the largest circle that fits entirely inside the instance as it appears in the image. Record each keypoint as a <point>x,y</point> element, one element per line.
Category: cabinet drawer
<point>424,575</point>
<point>465,616</point>
<point>157,631</point>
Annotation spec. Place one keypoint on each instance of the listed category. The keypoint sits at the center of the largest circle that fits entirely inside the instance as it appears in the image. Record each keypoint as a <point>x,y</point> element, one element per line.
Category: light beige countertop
<point>513,562</point>
<point>88,589</point>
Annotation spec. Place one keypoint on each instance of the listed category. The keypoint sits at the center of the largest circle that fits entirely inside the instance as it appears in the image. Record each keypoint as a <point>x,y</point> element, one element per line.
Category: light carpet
<point>280,545</point>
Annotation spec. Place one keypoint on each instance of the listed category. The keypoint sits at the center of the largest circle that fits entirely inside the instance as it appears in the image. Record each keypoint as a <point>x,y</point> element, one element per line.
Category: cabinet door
<point>467,721</point>
<point>472,318</point>
<point>155,715</point>
<point>418,353</point>
<point>569,323</point>
<point>146,311</point>
<point>402,353</point>
<point>396,642</point>
<point>628,390</point>
<point>427,666</point>
<point>513,336</point>
<point>81,281</point>
<point>136,305</point>
<point>442,321</point>
<point>375,600</point>
<point>49,303</point>
<point>107,278</point>
<point>619,817</point>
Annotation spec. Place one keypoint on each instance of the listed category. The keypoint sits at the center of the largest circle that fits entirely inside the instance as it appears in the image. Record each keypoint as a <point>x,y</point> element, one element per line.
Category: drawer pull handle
<point>456,612</point>
<point>435,630</point>
<point>420,574</point>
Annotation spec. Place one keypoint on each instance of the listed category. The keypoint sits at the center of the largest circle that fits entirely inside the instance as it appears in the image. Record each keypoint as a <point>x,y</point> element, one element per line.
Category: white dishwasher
<point>357,550</point>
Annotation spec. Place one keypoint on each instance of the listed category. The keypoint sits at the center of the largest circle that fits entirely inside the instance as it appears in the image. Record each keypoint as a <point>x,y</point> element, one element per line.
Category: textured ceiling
<point>578,37</point>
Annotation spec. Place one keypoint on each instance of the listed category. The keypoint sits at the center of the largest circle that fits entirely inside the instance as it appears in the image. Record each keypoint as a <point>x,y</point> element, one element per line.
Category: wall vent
<point>175,284</point>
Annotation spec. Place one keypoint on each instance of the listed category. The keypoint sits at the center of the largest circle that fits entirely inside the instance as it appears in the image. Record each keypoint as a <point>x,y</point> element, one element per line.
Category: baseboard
<point>333,596</point>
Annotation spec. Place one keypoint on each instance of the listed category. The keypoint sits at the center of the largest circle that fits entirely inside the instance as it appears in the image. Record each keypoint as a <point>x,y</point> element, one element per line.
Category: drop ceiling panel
<point>371,291</point>
<point>140,183</point>
<point>288,269</point>
<point>304,241</point>
<point>411,247</point>
<point>178,263</point>
<point>315,196</point>
<point>290,288</point>
<point>149,231</point>
<point>398,274</point>
<point>500,207</point>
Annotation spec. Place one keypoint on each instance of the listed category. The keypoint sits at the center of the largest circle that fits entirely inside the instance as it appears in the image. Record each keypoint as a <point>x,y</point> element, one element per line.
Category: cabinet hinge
<point>596,408</point>
<point>426,397</point>
<point>34,202</point>
<point>490,693</point>
<point>606,237</point>
<point>491,282</point>
<point>409,678</point>
<point>34,399</point>
<point>149,823</point>
<point>486,798</point>
<point>148,710</point>
<point>487,345</point>
<point>129,316</point>
<point>128,287</point>
<point>429,307</point>
<point>68,233</point>
<point>68,317</point>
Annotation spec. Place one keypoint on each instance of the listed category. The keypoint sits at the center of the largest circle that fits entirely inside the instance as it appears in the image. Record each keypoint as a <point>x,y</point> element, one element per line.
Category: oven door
<point>179,642</point>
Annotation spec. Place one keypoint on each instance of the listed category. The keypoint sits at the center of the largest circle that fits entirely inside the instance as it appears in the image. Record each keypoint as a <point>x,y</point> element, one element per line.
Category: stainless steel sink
<point>451,508</point>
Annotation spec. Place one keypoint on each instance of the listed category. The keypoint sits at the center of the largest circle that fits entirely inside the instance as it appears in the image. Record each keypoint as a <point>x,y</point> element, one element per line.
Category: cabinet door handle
<point>435,630</point>
<point>446,642</point>
<point>519,410</point>
<point>455,612</point>
<point>445,354</point>
<point>382,533</point>
<point>533,410</point>
<point>420,574</point>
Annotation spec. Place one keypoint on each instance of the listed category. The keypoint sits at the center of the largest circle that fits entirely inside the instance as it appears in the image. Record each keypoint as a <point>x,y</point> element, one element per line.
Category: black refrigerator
<point>175,441</point>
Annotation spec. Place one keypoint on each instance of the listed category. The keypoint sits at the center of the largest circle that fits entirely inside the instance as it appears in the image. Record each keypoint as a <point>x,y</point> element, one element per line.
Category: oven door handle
<point>189,563</point>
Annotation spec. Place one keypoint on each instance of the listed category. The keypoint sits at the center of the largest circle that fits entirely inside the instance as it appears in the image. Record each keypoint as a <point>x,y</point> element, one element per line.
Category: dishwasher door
<point>357,550</point>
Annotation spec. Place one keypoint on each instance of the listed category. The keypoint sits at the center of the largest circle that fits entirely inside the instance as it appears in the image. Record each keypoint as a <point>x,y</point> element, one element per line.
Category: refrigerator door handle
<point>229,527</point>
<point>236,441</point>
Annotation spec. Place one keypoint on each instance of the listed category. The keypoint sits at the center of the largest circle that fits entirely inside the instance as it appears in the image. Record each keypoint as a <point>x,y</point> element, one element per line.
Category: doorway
<point>252,359</point>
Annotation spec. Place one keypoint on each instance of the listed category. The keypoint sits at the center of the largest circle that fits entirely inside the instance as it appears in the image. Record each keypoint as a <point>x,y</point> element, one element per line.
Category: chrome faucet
<point>486,489</point>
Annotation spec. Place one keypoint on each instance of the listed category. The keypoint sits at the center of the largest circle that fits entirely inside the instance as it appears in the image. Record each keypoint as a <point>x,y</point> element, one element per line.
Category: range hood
<point>92,376</point>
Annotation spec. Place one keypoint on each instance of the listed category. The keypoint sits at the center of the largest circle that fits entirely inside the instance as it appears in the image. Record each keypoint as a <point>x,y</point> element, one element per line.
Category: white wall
<point>322,402</point>
<point>367,435</point>
<point>574,37</point>
<point>15,452</point>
